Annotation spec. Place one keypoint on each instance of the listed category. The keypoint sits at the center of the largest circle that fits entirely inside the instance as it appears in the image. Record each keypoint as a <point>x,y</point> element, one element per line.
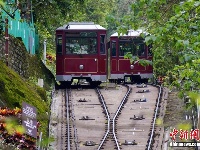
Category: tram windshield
<point>81,43</point>
<point>136,48</point>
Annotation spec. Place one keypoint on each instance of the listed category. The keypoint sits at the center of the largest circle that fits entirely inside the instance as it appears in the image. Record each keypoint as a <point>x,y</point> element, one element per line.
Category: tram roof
<point>134,33</point>
<point>81,26</point>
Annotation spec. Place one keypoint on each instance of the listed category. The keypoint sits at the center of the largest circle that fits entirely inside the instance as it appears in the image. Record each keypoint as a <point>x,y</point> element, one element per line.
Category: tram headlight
<point>132,66</point>
<point>81,67</point>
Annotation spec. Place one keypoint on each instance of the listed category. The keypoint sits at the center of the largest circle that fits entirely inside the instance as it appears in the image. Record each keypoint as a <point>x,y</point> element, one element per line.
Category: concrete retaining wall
<point>25,64</point>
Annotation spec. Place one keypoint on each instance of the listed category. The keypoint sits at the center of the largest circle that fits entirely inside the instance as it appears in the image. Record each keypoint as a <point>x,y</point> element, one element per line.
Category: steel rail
<point>114,118</point>
<point>117,112</point>
<point>74,126</point>
<point>154,120</point>
<point>68,130</point>
<point>108,117</point>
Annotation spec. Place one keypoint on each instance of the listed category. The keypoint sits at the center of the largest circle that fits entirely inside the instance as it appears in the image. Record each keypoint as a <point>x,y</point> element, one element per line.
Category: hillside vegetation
<point>14,90</point>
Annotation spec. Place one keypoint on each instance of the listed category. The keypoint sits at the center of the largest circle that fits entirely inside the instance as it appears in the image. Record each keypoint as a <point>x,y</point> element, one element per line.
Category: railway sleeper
<point>141,85</point>
<point>90,143</point>
<point>117,147</point>
<point>84,100</point>
<point>140,100</point>
<point>150,134</point>
<point>104,111</point>
<point>143,91</point>
<point>110,132</point>
<point>129,142</point>
<point>137,117</point>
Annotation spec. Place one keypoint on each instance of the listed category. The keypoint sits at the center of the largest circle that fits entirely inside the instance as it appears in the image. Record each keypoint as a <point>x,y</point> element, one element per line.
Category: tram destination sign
<point>29,121</point>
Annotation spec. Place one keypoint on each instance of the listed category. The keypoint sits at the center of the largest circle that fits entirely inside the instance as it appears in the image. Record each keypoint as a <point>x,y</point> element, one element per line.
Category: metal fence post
<point>45,49</point>
<point>7,39</point>
<point>40,140</point>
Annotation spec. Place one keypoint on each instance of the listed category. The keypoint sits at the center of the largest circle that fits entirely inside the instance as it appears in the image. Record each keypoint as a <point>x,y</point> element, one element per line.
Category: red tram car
<point>81,53</point>
<point>120,68</point>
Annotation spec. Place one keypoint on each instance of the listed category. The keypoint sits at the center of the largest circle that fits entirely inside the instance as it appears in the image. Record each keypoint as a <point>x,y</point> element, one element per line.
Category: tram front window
<point>136,48</point>
<point>81,44</point>
<point>140,49</point>
<point>126,47</point>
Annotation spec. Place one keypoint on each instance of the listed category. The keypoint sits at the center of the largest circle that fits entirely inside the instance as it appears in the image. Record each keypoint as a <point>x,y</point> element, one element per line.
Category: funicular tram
<point>120,67</point>
<point>81,53</point>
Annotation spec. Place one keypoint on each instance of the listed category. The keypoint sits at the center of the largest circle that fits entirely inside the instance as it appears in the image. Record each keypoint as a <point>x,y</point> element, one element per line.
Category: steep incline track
<point>89,119</point>
<point>117,118</point>
<point>130,128</point>
<point>114,104</point>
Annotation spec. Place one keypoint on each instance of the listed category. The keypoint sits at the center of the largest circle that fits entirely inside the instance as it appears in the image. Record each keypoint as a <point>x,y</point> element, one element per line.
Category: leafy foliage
<point>1,2</point>
<point>50,14</point>
<point>174,32</point>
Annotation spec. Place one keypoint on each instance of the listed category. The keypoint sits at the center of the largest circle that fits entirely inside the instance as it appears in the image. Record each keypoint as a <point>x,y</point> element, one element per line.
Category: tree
<point>50,14</point>
<point>174,32</point>
<point>1,2</point>
<point>120,9</point>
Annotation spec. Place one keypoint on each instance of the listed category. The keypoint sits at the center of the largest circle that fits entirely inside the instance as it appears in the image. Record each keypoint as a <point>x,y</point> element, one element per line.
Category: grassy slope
<point>14,90</point>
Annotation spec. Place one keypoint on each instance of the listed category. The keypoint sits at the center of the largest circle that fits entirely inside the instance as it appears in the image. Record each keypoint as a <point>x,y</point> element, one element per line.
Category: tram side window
<point>102,44</point>
<point>140,49</point>
<point>113,48</point>
<point>59,44</point>
<point>92,45</point>
<point>126,47</point>
<point>150,53</point>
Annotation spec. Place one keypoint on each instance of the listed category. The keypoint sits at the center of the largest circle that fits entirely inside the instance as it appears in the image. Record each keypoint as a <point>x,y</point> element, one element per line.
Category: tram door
<point>102,57</point>
<point>113,59</point>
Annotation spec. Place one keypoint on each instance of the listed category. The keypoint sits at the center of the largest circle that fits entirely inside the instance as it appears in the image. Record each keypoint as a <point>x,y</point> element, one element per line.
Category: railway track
<point>135,127</point>
<point>108,119</point>
<point>111,122</point>
<point>137,123</point>
<point>89,120</point>
<point>67,99</point>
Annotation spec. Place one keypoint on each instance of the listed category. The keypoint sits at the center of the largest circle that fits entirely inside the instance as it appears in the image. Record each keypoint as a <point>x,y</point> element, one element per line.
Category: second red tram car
<point>81,53</point>
<point>120,68</point>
